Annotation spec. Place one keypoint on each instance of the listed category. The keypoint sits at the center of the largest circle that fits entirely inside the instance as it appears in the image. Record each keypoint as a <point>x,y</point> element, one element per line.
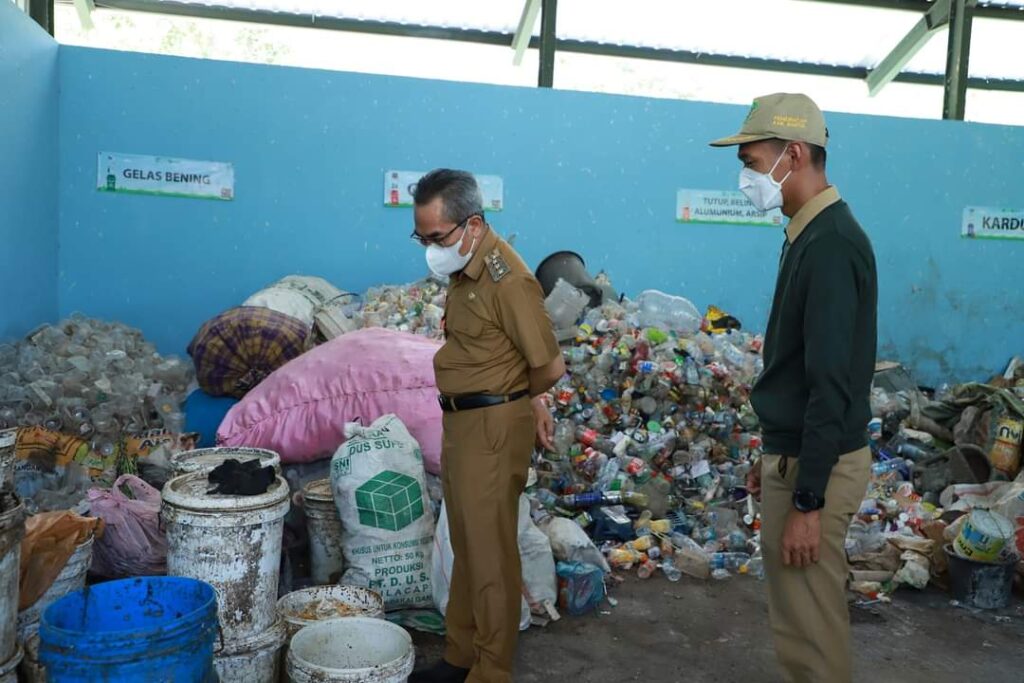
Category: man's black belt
<point>453,404</point>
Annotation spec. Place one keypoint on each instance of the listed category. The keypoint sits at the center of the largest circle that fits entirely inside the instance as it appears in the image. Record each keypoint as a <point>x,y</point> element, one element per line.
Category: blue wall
<point>594,173</point>
<point>28,174</point>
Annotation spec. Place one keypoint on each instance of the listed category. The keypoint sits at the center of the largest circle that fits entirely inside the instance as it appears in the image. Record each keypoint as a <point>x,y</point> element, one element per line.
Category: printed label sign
<point>722,206</point>
<point>992,224</point>
<point>400,185</point>
<point>164,176</point>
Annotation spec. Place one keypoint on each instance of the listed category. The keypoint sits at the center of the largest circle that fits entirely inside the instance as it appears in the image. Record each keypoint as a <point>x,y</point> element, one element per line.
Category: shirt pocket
<point>466,321</point>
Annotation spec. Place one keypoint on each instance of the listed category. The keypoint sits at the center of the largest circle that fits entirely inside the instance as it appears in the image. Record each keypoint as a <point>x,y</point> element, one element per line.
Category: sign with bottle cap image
<point>992,224</point>
<point>164,176</point>
<point>722,206</point>
<point>399,187</point>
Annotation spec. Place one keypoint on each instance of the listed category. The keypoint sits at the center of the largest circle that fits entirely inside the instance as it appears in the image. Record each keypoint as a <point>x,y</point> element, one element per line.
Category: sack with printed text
<point>381,493</point>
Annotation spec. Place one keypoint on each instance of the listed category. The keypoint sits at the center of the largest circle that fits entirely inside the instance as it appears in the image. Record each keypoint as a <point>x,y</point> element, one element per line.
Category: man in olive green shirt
<point>813,397</point>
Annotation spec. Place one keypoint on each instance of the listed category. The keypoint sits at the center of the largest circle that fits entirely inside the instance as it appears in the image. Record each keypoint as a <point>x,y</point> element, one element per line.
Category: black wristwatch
<point>805,500</point>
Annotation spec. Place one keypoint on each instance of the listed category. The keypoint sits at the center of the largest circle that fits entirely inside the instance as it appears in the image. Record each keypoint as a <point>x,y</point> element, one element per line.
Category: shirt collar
<point>487,242</point>
<point>810,211</point>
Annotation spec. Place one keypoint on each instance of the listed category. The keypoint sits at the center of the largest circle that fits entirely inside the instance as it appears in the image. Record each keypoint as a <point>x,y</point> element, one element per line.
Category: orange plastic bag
<point>50,539</point>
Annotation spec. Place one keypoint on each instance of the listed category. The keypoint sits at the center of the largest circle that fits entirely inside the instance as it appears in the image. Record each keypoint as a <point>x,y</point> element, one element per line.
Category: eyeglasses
<point>427,241</point>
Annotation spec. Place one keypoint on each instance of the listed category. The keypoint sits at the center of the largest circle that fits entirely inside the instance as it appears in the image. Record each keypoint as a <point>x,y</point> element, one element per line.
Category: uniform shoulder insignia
<point>497,266</point>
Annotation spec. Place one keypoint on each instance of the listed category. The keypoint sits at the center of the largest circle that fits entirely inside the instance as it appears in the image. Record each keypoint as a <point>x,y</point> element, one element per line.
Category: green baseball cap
<point>782,116</point>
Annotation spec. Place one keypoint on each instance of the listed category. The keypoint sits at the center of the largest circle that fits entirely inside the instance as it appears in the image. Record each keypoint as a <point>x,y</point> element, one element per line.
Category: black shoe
<point>442,672</point>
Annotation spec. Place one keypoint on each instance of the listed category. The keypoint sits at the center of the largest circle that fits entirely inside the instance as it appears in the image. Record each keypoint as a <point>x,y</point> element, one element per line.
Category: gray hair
<point>460,195</point>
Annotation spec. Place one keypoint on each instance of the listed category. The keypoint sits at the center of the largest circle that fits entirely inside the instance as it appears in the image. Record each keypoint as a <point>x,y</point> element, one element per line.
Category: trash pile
<point>941,504</point>
<point>82,401</point>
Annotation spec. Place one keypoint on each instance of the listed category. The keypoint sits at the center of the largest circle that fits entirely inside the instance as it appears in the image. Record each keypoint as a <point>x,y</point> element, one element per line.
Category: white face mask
<point>444,261</point>
<point>761,188</point>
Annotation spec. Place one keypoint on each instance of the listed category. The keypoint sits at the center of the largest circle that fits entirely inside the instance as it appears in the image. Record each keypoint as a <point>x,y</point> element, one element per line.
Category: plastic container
<point>357,650</point>
<point>206,459</point>
<point>668,312</point>
<point>323,524</point>
<point>126,630</point>
<point>985,585</point>
<point>983,536</point>
<point>257,660</point>
<point>71,578</point>
<point>232,543</point>
<point>9,669</point>
<point>324,603</point>
<point>12,530</point>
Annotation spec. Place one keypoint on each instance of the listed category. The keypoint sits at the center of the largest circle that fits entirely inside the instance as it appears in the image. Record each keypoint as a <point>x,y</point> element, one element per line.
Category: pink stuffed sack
<point>301,409</point>
<point>133,542</point>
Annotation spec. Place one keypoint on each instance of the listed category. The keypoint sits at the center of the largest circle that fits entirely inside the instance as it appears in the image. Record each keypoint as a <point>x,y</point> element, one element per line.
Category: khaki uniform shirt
<point>496,326</point>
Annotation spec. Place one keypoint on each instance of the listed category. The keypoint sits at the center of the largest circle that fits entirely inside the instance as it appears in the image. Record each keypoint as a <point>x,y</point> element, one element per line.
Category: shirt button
<point>472,295</point>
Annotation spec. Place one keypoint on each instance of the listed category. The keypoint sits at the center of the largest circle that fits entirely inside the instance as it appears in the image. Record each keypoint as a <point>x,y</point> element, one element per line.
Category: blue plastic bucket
<point>145,630</point>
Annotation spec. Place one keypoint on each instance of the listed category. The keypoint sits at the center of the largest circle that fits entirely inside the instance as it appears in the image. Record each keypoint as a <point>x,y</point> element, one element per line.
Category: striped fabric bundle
<point>239,348</point>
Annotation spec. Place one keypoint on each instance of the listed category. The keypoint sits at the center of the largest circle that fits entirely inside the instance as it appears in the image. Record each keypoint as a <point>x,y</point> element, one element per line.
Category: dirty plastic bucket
<point>983,536</point>
<point>9,669</point>
<point>257,660</point>
<point>71,578</point>
<point>129,629</point>
<point>323,524</point>
<point>12,530</point>
<point>206,459</point>
<point>357,650</point>
<point>231,542</point>
<point>324,603</point>
<point>986,585</point>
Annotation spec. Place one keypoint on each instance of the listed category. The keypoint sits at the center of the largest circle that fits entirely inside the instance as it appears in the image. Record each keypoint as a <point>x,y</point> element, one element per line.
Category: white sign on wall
<point>722,206</point>
<point>142,174</point>
<point>992,224</point>
<point>400,185</point>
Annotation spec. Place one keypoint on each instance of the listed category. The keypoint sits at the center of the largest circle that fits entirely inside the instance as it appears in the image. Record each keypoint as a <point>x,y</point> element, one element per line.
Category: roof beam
<point>927,26</point>
<point>982,10</point>
<point>954,102</point>
<point>548,44</point>
<point>521,39</point>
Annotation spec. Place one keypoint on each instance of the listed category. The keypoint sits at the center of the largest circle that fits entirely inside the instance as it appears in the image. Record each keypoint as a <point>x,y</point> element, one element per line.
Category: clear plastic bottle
<point>592,439</point>
<point>669,569</point>
<point>657,309</point>
<point>729,561</point>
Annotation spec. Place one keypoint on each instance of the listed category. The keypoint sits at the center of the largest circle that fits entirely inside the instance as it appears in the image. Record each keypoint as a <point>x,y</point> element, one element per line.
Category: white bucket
<point>206,459</point>
<point>357,650</point>
<point>31,670</point>
<point>257,660</point>
<point>323,524</point>
<point>12,530</point>
<point>324,603</point>
<point>231,542</point>
<point>9,669</point>
<point>71,578</point>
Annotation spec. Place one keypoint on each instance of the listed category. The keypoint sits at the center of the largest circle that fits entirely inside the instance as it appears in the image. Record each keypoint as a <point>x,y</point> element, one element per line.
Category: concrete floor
<point>718,632</point>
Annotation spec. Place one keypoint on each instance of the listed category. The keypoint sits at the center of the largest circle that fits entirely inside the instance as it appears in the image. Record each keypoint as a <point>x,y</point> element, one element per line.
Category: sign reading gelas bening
<point>722,206</point>
<point>164,176</point>
<point>992,224</point>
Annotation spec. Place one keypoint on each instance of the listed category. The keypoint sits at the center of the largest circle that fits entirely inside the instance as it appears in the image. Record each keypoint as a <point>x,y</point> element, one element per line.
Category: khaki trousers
<point>809,614</point>
<point>485,457</point>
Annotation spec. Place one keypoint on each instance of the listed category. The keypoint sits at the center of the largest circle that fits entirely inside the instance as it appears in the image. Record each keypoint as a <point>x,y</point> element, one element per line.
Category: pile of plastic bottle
<point>91,379</point>
<point>417,308</point>
<point>654,437</point>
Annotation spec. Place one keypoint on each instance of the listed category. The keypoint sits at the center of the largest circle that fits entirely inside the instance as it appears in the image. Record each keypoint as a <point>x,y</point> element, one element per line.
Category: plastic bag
<point>570,543</point>
<point>540,584</point>
<point>50,540</point>
<point>133,543</point>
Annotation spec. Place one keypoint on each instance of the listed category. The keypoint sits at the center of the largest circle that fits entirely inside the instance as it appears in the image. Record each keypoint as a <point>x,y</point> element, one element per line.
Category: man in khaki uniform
<point>813,396</point>
<point>500,352</point>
